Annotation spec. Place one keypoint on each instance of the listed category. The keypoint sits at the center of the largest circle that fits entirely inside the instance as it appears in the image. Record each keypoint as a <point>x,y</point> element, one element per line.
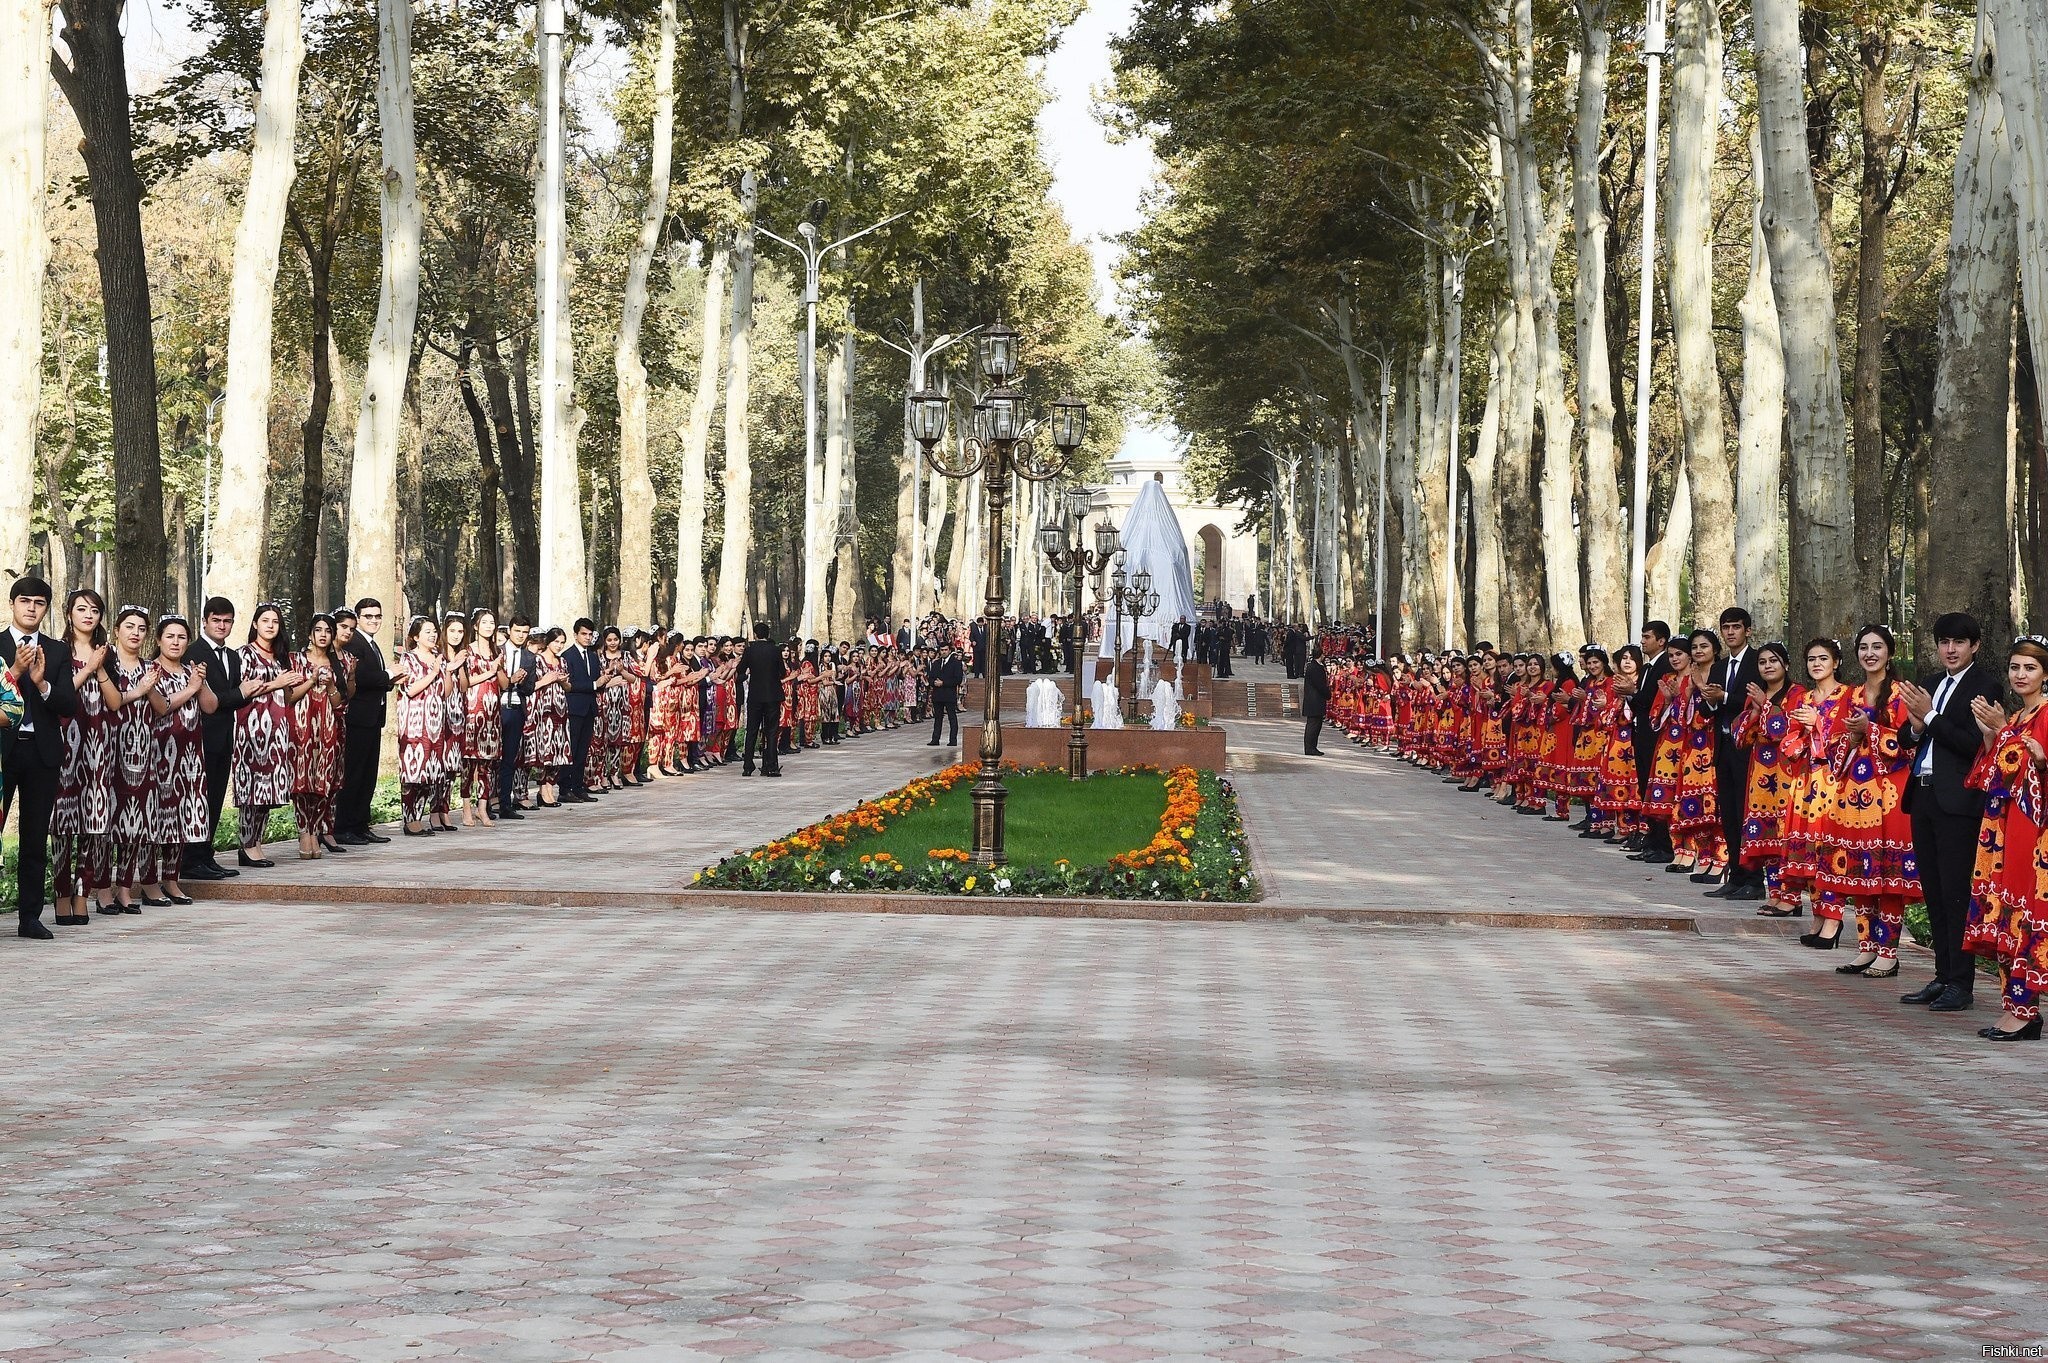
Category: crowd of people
<point>1853,792</point>
<point>124,736</point>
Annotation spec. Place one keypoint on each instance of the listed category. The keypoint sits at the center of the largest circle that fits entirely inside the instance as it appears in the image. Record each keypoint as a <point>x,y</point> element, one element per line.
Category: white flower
<point>834,877</point>
<point>1002,885</point>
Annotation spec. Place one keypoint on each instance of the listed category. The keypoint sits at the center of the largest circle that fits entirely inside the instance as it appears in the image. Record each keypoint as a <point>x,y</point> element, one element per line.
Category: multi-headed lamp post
<point>998,448</point>
<point>1134,599</point>
<point>1068,555</point>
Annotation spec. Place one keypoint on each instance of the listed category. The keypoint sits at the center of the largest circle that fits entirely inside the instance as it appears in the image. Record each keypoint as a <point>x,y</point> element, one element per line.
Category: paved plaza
<point>331,1130</point>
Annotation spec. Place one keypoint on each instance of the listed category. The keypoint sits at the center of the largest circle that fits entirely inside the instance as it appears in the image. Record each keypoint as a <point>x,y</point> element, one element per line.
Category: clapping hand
<point>1806,715</point>
<point>1757,695</point>
<point>1858,722</point>
<point>1989,716</point>
<point>1918,702</point>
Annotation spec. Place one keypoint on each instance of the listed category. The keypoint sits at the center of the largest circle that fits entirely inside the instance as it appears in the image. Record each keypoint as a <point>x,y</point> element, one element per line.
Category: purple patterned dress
<point>263,738</point>
<point>181,814</point>
<point>134,757</point>
<point>82,856</point>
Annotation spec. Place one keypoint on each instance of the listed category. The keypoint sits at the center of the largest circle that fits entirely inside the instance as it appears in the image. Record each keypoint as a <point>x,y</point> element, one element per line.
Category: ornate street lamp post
<point>1070,556</point>
<point>998,449</point>
<point>1133,599</point>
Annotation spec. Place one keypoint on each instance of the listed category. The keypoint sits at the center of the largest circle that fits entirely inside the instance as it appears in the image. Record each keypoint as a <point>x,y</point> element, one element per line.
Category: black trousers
<point>1945,849</point>
<point>32,789</point>
<point>1658,838</point>
<point>511,736</point>
<point>358,778</point>
<point>1731,793</point>
<point>1313,734</point>
<point>580,729</point>
<point>944,709</point>
<point>764,722</point>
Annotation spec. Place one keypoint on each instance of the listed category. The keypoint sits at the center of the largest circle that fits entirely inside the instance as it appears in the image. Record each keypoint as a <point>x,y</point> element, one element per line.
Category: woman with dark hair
<point>1866,835</point>
<point>454,724</point>
<point>132,749</point>
<point>263,730</point>
<point>1777,762</point>
<point>82,860</point>
<point>1696,818</point>
<point>423,683</point>
<point>1589,739</point>
<point>180,700</point>
<point>1817,718</point>
<point>2007,921</point>
<point>1554,750</point>
<point>1618,795</point>
<point>544,748</point>
<point>316,737</point>
<point>483,739</point>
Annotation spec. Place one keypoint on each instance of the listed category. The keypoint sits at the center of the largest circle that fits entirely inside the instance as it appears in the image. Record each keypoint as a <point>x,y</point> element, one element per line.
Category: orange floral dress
<point>2009,886</point>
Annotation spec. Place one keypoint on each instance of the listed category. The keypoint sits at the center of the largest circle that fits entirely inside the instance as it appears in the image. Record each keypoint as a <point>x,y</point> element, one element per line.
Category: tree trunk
<point>1664,562</point>
<point>1968,464</point>
<point>373,479</point>
<point>1600,524</point>
<point>512,422</point>
<point>236,570</point>
<point>1689,275</point>
<point>24,103</point>
<point>848,598</point>
<point>1760,444</point>
<point>565,586</point>
<point>729,612</point>
<point>1487,584</point>
<point>95,83</point>
<point>1823,591</point>
<point>906,566</point>
<point>1410,607</point>
<point>636,488</point>
<point>690,595</point>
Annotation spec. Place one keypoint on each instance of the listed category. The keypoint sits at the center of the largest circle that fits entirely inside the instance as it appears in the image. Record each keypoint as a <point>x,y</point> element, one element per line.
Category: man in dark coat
<point>223,663</point>
<point>1315,703</point>
<point>584,669</point>
<point>946,676</point>
<point>521,668</point>
<point>363,736</point>
<point>1725,695</point>
<point>32,752</point>
<point>761,672</point>
<point>1946,813</point>
<point>1656,848</point>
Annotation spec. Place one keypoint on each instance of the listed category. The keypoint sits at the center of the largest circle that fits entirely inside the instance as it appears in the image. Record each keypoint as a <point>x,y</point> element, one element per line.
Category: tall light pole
<point>999,449</point>
<point>813,253</point>
<point>1639,506</point>
<point>1068,555</point>
<point>1379,520</point>
<point>548,249</point>
<point>1456,342</point>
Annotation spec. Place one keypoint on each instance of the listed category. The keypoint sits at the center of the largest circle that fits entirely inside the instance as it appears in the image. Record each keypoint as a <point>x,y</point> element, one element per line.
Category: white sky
<point>1098,183</point>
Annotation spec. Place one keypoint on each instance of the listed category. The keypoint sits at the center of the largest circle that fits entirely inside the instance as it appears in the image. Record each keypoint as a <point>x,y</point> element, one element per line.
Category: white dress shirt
<point>1947,688</point>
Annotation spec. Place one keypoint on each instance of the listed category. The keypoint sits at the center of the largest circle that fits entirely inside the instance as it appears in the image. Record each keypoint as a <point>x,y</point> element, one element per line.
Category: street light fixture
<point>1067,555</point>
<point>997,450</point>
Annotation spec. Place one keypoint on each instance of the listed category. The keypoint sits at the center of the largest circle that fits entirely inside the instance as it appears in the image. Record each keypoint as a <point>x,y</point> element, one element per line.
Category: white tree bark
<point>842,491</point>
<point>1606,557</point>
<point>1689,284</point>
<point>1823,590</point>
<point>1487,585</point>
<point>1760,445</point>
<point>1665,562</point>
<point>373,478</point>
<point>24,249</point>
<point>690,596</point>
<point>239,523</point>
<point>1415,567</point>
<point>729,611</point>
<point>636,487</point>
<point>565,586</point>
<point>906,560</point>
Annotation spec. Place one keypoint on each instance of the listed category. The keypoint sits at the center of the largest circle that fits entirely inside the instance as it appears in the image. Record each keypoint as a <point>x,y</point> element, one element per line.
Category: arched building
<point>1224,559</point>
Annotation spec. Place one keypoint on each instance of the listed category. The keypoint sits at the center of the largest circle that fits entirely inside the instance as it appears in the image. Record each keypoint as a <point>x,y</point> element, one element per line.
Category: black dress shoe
<point>1706,877</point>
<point>155,903</point>
<point>1855,967</point>
<point>1674,867</point>
<point>1952,1000</point>
<point>746,771</point>
<point>510,814</point>
<point>1743,892</point>
<point>33,929</point>
<point>1926,993</point>
<point>2030,1032</point>
<point>200,873</point>
<point>776,772</point>
<point>223,872</point>
<point>1818,942</point>
<point>1633,842</point>
<point>327,846</point>
<point>374,836</point>
<point>353,840</point>
<point>1655,858</point>
<point>182,899</point>
<point>256,863</point>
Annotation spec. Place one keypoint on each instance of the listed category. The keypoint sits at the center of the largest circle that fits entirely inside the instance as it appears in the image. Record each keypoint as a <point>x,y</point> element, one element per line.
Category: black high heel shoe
<point>424,832</point>
<point>331,846</point>
<point>1855,967</point>
<point>2030,1032</point>
<point>258,863</point>
<point>1818,942</point>
<point>156,903</point>
<point>180,899</point>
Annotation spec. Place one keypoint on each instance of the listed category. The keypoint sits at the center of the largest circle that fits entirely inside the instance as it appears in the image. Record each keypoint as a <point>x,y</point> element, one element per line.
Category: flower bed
<point>1196,852</point>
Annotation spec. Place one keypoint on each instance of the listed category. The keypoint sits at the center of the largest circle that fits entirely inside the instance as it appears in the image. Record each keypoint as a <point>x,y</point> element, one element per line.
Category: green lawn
<point>1046,817</point>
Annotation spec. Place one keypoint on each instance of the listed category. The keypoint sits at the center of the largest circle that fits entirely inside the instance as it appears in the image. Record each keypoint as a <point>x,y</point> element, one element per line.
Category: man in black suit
<point>761,670</point>
<point>977,645</point>
<point>1315,702</point>
<point>584,670</point>
<point>946,676</point>
<point>520,668</point>
<point>32,752</point>
<point>1724,696</point>
<point>1178,638</point>
<point>1656,843</point>
<point>1946,812</point>
<point>223,663</point>
<point>363,735</point>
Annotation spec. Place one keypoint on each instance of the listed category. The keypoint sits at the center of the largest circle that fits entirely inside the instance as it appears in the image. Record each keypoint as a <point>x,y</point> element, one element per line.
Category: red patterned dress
<point>1619,797</point>
<point>181,813</point>
<point>1681,790</point>
<point>1866,836</point>
<point>316,739</point>
<point>422,735</point>
<point>2008,914</point>
<point>83,857</point>
<point>1812,798</point>
<point>1777,770</point>
<point>484,741</point>
<point>454,729</point>
<point>545,743</point>
<point>263,747</point>
<point>132,749</point>
<point>1589,741</point>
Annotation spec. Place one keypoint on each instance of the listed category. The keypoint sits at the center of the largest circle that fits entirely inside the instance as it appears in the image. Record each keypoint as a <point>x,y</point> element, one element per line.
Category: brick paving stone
<point>373,1133</point>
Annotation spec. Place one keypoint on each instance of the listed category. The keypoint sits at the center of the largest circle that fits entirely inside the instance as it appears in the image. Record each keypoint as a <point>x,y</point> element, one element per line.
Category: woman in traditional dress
<point>1589,739</point>
<point>608,732</point>
<point>544,747</point>
<point>179,702</point>
<point>316,736</point>
<point>1777,768</point>
<point>1617,796</point>
<point>263,731</point>
<point>483,740</point>
<point>1866,835</point>
<point>12,707</point>
<point>132,749</point>
<point>1818,718</point>
<point>1555,750</point>
<point>455,724</point>
<point>2008,913</point>
<point>423,685</point>
<point>82,859</point>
